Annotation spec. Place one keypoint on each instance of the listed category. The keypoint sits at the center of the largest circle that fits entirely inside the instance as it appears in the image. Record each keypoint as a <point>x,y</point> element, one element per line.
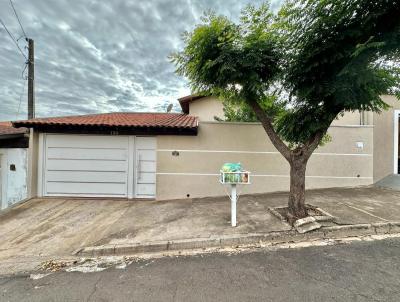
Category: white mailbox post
<point>233,179</point>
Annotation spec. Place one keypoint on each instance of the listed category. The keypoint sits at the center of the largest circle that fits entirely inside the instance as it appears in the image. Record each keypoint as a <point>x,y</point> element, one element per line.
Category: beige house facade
<point>186,165</point>
<point>344,162</point>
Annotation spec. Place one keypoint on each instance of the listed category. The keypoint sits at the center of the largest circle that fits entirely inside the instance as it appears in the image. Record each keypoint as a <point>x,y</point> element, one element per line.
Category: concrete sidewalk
<point>203,223</point>
<point>43,229</point>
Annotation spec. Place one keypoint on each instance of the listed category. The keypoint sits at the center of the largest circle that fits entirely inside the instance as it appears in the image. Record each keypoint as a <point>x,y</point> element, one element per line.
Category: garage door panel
<point>149,155</point>
<point>92,141</point>
<point>146,161</point>
<point>86,176</point>
<point>146,190</point>
<point>86,165</point>
<point>147,166</point>
<point>147,178</point>
<point>87,153</point>
<point>86,188</point>
<point>98,165</point>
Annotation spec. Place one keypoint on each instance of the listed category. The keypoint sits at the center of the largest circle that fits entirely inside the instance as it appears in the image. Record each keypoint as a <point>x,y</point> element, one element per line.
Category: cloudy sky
<point>97,56</point>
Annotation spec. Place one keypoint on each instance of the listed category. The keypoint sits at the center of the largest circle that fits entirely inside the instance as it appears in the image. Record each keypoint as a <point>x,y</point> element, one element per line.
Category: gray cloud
<point>99,56</point>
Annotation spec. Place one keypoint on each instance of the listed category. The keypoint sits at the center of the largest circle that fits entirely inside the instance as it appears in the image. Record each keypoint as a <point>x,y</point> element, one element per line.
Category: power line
<point>19,21</point>
<point>12,37</point>
<point>20,99</point>
<point>24,78</point>
<point>23,71</point>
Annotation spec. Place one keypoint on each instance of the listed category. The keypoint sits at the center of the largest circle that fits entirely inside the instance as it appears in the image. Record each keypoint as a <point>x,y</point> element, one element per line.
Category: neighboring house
<point>13,164</point>
<point>169,155</point>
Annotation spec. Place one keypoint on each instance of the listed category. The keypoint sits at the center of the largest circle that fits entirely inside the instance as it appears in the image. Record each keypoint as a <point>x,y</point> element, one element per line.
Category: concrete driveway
<point>42,229</point>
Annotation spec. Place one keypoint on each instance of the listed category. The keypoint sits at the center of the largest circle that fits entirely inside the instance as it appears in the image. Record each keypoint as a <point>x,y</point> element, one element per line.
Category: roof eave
<point>184,101</point>
<point>11,135</point>
<point>111,130</point>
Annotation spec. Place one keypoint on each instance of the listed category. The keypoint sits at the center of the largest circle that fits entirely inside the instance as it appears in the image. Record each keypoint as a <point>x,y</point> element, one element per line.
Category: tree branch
<point>269,129</point>
<point>313,143</point>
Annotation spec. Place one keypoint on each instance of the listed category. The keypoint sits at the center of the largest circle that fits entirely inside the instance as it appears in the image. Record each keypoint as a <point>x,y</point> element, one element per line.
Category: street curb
<point>291,236</point>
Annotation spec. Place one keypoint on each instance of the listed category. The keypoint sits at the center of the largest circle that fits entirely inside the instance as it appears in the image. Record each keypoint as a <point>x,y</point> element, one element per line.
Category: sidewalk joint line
<point>365,212</point>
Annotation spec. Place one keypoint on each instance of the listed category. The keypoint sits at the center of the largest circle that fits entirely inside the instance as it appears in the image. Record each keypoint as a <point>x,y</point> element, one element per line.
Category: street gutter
<point>328,232</point>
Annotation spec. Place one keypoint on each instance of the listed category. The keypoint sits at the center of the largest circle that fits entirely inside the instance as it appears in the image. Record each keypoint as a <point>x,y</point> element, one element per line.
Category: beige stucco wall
<point>208,107</point>
<point>384,138</point>
<point>195,170</point>
<point>354,118</point>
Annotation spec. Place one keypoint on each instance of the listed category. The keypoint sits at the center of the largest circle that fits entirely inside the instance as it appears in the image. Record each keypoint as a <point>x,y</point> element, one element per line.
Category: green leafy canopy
<point>304,65</point>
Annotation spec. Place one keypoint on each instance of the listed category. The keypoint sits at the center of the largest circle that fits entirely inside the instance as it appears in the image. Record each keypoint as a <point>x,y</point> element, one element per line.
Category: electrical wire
<point>20,99</point>
<point>19,21</point>
<point>23,54</point>
<point>23,71</point>
<point>24,78</point>
<point>12,37</point>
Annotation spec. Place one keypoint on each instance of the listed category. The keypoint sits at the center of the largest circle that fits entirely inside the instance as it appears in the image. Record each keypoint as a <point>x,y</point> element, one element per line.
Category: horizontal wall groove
<point>261,152</point>
<point>259,124</point>
<point>263,175</point>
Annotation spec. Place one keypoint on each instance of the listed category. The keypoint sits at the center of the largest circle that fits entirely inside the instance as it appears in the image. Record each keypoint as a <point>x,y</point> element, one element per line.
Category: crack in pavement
<point>175,292</point>
<point>6,281</point>
<point>94,289</point>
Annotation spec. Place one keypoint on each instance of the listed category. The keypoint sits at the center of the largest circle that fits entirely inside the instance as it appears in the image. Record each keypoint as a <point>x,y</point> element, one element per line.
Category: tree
<point>298,69</point>
<point>236,111</point>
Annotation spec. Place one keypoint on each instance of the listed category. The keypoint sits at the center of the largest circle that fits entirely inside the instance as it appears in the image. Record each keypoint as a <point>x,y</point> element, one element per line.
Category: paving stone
<point>303,221</point>
<point>308,227</point>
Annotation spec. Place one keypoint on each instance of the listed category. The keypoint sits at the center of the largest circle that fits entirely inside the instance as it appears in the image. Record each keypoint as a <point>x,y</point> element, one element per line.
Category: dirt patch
<point>53,265</point>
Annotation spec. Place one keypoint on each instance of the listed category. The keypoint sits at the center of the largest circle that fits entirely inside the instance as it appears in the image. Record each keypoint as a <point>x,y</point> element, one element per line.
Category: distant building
<point>14,144</point>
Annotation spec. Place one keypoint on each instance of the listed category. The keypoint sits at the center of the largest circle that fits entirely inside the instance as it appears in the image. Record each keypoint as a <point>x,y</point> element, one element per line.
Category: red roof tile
<point>118,119</point>
<point>6,128</point>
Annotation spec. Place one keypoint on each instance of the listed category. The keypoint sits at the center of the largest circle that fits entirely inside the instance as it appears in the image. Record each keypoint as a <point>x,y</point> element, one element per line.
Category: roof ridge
<point>109,113</point>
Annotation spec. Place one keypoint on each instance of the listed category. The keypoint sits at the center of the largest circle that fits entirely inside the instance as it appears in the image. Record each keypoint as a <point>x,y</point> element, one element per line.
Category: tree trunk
<point>296,203</point>
<point>297,159</point>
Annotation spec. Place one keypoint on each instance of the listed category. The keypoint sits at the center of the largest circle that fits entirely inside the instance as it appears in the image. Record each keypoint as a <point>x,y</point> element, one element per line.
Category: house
<point>101,155</point>
<point>178,155</point>
<point>13,164</point>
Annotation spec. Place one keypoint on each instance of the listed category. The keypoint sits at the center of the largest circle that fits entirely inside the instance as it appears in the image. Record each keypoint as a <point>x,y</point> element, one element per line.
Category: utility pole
<point>31,79</point>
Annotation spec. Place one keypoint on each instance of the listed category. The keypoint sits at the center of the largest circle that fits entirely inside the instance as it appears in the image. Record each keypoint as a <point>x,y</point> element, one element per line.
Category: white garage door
<point>85,165</point>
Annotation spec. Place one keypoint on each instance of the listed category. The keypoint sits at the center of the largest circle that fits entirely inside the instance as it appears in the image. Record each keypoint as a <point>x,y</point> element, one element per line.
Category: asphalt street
<point>360,271</point>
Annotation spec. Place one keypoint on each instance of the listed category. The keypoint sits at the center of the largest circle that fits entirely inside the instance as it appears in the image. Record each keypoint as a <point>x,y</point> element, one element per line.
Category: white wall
<point>13,183</point>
